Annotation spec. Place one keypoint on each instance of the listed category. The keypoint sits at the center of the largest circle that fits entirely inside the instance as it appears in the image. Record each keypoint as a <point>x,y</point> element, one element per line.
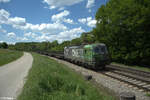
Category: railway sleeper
<point>134,80</point>
<point>147,80</point>
<point>137,82</point>
<point>134,84</point>
<point>147,86</point>
<point>142,84</point>
<point>130,70</point>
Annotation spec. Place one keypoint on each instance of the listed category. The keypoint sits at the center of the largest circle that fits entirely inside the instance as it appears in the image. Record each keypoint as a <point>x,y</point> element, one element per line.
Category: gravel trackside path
<point>12,76</point>
<point>114,85</point>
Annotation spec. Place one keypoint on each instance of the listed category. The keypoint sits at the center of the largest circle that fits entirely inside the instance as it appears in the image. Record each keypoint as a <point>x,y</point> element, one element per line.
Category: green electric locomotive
<point>94,56</point>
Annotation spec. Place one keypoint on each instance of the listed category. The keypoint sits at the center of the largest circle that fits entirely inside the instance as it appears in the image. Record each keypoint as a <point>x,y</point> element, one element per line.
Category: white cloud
<point>25,39</point>
<point>52,7</point>
<point>14,21</point>
<point>30,34</point>
<point>88,21</point>
<point>60,16</point>
<point>1,41</point>
<point>4,15</point>
<point>70,34</point>
<point>4,1</point>
<point>82,20</point>
<point>22,38</point>
<point>43,37</point>
<point>62,36</point>
<point>20,23</point>
<point>45,27</point>
<point>61,3</point>
<point>69,21</point>
<point>90,3</point>
<point>91,22</point>
<point>50,31</point>
<point>11,35</point>
<point>48,28</point>
<point>62,8</point>
<point>17,21</point>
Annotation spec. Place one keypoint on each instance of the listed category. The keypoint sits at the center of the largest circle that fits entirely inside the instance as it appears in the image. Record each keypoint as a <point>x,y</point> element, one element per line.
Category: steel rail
<point>129,82</point>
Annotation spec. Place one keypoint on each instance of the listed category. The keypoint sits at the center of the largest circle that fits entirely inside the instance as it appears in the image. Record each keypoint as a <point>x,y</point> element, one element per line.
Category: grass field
<point>7,56</point>
<point>49,80</point>
<point>134,67</point>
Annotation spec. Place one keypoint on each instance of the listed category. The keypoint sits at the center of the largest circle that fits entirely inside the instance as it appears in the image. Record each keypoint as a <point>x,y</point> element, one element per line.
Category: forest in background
<point>123,25</point>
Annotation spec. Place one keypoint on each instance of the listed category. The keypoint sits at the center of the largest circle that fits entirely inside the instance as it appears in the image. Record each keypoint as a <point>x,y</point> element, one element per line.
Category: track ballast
<point>136,78</point>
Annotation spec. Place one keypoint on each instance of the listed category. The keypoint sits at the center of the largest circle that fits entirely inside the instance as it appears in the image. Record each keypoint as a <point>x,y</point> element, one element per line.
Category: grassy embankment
<point>50,80</point>
<point>134,67</point>
<point>7,56</point>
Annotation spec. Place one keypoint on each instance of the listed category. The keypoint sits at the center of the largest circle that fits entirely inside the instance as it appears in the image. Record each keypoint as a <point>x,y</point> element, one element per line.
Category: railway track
<point>136,78</point>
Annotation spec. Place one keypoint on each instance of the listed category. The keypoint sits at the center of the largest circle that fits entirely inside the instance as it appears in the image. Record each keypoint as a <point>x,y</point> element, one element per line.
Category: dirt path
<point>12,76</point>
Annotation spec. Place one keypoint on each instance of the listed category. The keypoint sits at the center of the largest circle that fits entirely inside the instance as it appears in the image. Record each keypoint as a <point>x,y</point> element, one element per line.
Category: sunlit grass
<point>7,56</point>
<point>49,80</point>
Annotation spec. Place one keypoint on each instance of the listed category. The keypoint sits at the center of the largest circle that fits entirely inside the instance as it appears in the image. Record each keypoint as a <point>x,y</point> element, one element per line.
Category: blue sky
<point>46,20</point>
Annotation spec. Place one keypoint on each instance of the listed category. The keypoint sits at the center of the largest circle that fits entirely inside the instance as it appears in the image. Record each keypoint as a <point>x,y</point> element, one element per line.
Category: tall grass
<point>7,56</point>
<point>50,80</point>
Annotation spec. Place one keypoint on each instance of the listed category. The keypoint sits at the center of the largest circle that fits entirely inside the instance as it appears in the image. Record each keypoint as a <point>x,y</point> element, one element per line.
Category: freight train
<point>93,56</point>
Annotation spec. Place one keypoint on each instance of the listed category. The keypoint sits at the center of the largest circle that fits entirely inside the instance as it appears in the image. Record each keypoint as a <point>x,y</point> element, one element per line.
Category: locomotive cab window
<point>96,49</point>
<point>100,49</point>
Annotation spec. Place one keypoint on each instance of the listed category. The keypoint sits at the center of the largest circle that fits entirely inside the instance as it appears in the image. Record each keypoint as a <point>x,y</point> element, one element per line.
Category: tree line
<point>123,25</point>
<point>3,45</point>
<point>85,38</point>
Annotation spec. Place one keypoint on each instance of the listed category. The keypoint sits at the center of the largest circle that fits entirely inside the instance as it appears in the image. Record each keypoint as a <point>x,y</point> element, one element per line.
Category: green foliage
<point>34,46</point>
<point>4,45</point>
<point>76,41</point>
<point>87,38</point>
<point>49,80</point>
<point>124,26</point>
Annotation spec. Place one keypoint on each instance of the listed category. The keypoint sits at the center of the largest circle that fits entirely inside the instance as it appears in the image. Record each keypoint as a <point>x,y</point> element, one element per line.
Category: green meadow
<point>50,80</point>
<point>7,56</point>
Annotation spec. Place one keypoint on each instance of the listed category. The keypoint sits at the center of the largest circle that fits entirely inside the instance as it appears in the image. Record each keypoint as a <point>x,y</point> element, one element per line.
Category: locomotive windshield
<point>100,49</point>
